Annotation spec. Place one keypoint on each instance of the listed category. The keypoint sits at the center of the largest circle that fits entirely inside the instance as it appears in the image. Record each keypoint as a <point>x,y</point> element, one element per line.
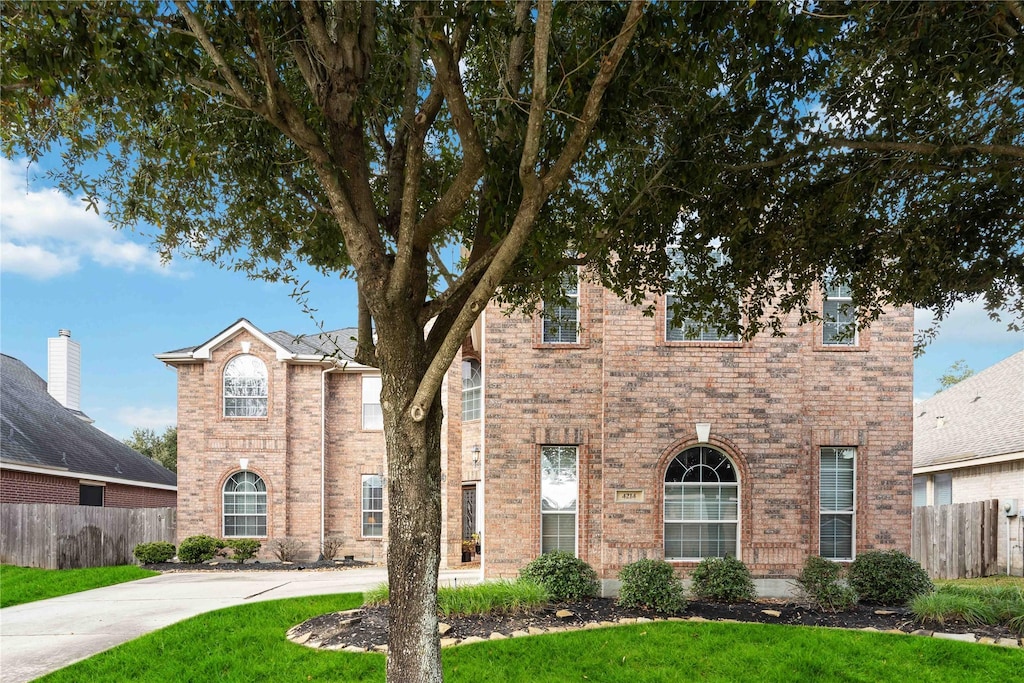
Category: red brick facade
<point>30,487</point>
<point>624,396</point>
<point>629,401</point>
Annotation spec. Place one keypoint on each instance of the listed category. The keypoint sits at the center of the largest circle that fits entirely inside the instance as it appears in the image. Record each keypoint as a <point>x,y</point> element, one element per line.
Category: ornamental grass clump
<point>973,605</point>
<point>564,576</point>
<point>725,579</point>
<point>888,577</point>
<point>652,584</point>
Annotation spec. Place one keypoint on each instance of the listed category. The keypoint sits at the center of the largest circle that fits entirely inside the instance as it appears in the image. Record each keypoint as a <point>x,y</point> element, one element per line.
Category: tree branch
<point>226,72</point>
<point>926,148</point>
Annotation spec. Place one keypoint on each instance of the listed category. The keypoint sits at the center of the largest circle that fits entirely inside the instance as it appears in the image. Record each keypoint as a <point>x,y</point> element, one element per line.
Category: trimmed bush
<point>196,549</point>
<point>330,547</point>
<point>287,549</point>
<point>152,553</point>
<point>723,578</point>
<point>888,577</point>
<point>243,548</point>
<point>820,584</point>
<point>563,576</point>
<point>652,584</point>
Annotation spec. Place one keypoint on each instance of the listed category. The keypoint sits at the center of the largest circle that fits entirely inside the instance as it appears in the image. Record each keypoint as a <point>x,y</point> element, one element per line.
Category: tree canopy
<point>873,142</point>
<point>162,448</point>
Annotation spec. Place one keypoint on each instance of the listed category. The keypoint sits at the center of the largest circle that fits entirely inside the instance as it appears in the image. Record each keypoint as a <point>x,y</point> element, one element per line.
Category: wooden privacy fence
<point>956,541</point>
<point>74,536</point>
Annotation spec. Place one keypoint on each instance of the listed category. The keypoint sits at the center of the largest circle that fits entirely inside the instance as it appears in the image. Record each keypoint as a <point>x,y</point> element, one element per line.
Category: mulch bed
<point>368,628</point>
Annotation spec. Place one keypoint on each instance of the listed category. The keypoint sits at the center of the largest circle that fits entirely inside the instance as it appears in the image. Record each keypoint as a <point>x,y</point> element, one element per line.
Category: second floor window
<point>839,317</point>
<point>682,329</point>
<point>472,388</point>
<point>245,387</point>
<point>373,418</point>
<point>562,320</point>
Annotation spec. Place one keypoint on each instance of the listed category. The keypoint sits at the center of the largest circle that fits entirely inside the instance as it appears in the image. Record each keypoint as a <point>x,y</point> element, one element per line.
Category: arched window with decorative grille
<point>245,505</point>
<point>245,387</point>
<point>701,505</point>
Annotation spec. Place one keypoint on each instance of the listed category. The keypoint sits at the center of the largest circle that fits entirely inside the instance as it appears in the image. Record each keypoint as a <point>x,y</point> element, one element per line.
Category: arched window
<point>472,389</point>
<point>245,505</point>
<point>701,505</point>
<point>245,387</point>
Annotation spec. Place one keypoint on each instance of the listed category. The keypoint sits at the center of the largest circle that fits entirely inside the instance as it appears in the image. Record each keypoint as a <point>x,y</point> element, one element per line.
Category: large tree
<point>875,142</point>
<point>162,448</point>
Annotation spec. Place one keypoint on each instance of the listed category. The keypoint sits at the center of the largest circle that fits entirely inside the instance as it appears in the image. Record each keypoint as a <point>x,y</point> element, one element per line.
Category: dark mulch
<point>370,627</point>
<point>224,565</point>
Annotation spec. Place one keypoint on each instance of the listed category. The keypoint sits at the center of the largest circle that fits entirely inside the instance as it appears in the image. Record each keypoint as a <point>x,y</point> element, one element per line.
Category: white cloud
<point>47,234</point>
<point>157,419</point>
<point>969,323</point>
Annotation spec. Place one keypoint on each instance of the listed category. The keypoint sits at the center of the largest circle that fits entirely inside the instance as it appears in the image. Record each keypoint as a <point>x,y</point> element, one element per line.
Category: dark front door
<point>468,511</point>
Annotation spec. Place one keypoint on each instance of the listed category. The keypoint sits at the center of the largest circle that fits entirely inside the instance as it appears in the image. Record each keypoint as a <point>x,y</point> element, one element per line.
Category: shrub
<point>945,606</point>
<point>652,584</point>
<point>152,553</point>
<point>330,547</point>
<point>287,549</point>
<point>563,576</point>
<point>243,548</point>
<point>820,584</point>
<point>723,578</point>
<point>196,549</point>
<point>888,577</point>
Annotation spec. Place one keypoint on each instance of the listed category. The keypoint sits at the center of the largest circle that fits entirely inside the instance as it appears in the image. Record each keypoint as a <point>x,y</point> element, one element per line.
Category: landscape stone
<point>472,639</point>
<point>644,620</point>
<point>443,628</point>
<point>564,614</point>
<point>449,642</point>
<point>962,637</point>
<point>380,648</point>
<point>627,620</point>
<point>556,629</point>
<point>676,619</point>
<point>921,632</point>
<point>606,624</point>
<point>519,634</point>
<point>772,612</point>
<point>350,612</point>
<point>986,640</point>
<point>353,648</point>
<point>1008,642</point>
<point>697,619</point>
<point>870,628</point>
<point>884,612</point>
<point>590,625</point>
<point>497,636</point>
<point>303,638</point>
<point>315,644</point>
<point>535,631</point>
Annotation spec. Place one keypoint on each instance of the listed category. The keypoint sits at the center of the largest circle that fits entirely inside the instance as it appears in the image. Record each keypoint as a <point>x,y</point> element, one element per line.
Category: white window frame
<point>845,316</point>
<point>250,389</point>
<point>682,332</point>
<point>841,452</point>
<point>372,416</point>
<point>549,496</point>
<point>669,518</point>
<point>371,505</point>
<point>558,333</point>
<point>257,497</point>
<point>472,392</point>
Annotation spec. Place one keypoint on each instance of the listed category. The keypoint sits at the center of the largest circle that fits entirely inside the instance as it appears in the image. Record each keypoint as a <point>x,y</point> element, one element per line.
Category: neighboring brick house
<point>51,453</point>
<point>969,446</point>
<point>610,434</point>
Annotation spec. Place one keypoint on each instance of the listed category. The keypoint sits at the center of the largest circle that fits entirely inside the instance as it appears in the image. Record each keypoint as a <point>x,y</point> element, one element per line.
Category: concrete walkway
<point>40,637</point>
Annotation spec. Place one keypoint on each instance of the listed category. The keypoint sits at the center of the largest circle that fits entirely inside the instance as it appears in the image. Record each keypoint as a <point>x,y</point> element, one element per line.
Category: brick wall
<point>630,401</point>
<point>29,487</point>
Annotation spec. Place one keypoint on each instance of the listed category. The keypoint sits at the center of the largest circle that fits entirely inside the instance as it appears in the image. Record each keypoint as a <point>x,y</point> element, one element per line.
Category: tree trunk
<point>414,505</point>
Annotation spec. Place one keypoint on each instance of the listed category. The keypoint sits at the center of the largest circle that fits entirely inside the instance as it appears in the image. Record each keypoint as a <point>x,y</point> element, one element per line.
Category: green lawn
<point>247,643</point>
<point>19,585</point>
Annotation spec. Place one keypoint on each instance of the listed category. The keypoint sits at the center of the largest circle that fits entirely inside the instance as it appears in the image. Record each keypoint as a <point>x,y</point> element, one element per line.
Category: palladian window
<point>701,505</point>
<point>245,505</point>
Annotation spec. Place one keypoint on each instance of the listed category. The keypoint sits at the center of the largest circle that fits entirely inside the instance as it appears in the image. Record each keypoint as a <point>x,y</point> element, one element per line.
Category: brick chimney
<point>64,370</point>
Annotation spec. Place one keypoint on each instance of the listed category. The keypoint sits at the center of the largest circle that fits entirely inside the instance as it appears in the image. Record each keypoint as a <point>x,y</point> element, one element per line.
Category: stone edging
<point>353,616</point>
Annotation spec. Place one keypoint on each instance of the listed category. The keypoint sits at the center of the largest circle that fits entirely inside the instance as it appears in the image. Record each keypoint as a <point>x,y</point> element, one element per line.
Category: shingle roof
<point>38,431</point>
<point>340,342</point>
<point>982,416</point>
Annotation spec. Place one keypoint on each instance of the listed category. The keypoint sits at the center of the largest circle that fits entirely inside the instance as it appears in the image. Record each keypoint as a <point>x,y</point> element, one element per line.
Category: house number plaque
<point>629,496</point>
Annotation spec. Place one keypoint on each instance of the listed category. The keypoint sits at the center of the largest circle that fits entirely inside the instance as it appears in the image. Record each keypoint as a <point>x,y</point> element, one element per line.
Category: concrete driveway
<point>44,636</point>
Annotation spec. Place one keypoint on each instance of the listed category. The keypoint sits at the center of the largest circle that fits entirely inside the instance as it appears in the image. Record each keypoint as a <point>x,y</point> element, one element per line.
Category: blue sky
<point>64,267</point>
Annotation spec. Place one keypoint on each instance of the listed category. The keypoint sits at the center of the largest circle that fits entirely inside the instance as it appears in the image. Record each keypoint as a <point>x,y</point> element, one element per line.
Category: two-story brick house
<point>592,429</point>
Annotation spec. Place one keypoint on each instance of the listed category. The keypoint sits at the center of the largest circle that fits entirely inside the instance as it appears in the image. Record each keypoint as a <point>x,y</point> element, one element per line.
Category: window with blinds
<point>836,503</point>
<point>559,489</point>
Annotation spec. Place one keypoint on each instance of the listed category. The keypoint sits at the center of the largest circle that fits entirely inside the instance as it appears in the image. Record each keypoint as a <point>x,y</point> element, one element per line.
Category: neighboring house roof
<point>38,433</point>
<point>977,419</point>
<point>338,344</point>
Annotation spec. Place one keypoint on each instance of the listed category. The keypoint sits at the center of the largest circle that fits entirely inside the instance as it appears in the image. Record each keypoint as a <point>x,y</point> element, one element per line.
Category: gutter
<point>60,472</point>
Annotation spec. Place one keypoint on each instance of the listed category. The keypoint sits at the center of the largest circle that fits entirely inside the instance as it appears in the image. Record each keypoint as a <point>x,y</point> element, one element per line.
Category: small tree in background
<point>957,372</point>
<point>163,448</point>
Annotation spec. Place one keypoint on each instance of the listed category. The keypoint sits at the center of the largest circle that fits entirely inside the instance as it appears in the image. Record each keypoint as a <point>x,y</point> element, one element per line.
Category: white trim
<point>961,464</point>
<point>92,482</point>
<point>204,352</point>
<point>83,475</point>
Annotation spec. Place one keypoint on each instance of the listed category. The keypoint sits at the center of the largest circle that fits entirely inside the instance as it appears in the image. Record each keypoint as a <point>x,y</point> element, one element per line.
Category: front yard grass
<point>248,643</point>
<point>19,585</point>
